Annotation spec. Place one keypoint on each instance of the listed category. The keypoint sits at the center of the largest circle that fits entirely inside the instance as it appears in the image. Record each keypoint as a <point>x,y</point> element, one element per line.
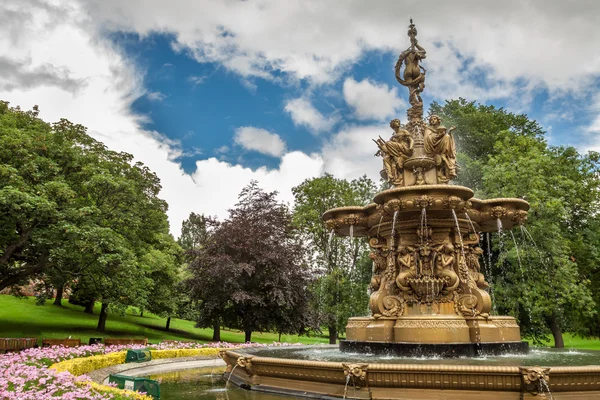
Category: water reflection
<point>205,384</point>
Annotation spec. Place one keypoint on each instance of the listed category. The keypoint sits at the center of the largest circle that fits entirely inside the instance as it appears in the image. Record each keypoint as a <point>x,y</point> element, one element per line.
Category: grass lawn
<point>22,318</point>
<point>575,342</point>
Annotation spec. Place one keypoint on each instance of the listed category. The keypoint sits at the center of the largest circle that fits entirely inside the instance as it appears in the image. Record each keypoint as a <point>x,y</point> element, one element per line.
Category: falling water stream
<point>470,222</point>
<point>525,298</point>
<point>330,240</point>
<point>228,379</point>
<point>462,248</point>
<point>487,266</point>
<point>346,386</point>
<point>423,223</point>
<point>545,389</point>
<point>379,226</point>
<point>394,223</point>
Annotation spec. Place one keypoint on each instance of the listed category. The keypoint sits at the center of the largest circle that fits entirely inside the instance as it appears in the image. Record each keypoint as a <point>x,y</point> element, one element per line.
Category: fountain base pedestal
<point>434,335</point>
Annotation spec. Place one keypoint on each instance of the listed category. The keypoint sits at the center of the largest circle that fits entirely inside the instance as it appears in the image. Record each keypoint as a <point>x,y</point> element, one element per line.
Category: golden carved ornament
<point>393,306</point>
<point>394,205</point>
<point>519,217</point>
<point>535,379</point>
<point>498,212</point>
<point>352,219</point>
<point>331,224</point>
<point>377,243</point>
<point>423,201</point>
<point>466,305</point>
<point>246,364</point>
<point>358,324</point>
<point>431,323</point>
<point>506,323</point>
<point>356,373</point>
<point>223,356</point>
<point>453,202</point>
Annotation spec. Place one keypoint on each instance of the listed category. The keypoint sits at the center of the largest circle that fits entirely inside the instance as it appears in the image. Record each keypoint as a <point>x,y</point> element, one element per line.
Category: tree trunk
<point>332,335</point>
<point>168,323</point>
<point>279,340</point>
<point>248,336</point>
<point>89,307</point>
<point>216,332</point>
<point>59,295</point>
<point>103,316</point>
<point>559,342</point>
<point>141,312</point>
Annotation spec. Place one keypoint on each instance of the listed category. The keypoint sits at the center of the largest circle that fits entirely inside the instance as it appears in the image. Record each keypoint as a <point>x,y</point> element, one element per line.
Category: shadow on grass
<point>178,332</point>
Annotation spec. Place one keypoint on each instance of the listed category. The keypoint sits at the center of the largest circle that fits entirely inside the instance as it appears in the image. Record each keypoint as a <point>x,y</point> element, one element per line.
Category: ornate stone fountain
<point>428,291</point>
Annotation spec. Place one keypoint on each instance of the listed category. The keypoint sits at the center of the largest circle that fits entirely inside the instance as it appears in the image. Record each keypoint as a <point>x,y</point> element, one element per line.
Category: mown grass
<point>23,318</point>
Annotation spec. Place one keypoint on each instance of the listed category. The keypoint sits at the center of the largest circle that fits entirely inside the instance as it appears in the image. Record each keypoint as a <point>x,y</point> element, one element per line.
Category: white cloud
<point>351,152</point>
<point>554,45</point>
<point>260,140</point>
<point>304,113</point>
<point>221,182</point>
<point>156,96</point>
<point>371,100</point>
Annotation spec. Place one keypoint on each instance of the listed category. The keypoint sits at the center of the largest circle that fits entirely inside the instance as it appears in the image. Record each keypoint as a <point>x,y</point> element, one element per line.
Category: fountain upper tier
<point>408,202</point>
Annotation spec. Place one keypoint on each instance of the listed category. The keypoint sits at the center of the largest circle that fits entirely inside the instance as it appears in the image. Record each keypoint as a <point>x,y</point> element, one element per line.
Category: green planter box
<point>138,356</point>
<point>148,386</point>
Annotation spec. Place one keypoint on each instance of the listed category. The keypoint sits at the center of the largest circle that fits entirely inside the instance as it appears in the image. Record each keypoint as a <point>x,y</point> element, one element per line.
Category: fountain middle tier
<point>438,201</point>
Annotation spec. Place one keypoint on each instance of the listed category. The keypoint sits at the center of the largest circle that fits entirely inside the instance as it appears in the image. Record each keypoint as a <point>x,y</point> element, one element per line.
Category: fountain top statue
<point>419,153</point>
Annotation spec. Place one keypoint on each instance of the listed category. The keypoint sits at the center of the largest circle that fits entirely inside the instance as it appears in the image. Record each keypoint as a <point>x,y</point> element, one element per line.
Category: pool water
<point>205,384</point>
<point>536,356</point>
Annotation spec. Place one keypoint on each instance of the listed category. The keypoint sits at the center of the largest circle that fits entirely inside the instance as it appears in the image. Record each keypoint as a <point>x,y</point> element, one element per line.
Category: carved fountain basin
<point>427,288</point>
<point>420,379</point>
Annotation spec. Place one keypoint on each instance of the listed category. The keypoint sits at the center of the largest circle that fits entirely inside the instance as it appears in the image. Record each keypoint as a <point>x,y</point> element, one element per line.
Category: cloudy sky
<point>211,94</point>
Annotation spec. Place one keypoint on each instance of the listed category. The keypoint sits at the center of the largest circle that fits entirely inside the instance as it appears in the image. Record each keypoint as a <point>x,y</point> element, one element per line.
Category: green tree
<point>341,264</point>
<point>545,275</point>
<point>252,272</point>
<point>74,212</point>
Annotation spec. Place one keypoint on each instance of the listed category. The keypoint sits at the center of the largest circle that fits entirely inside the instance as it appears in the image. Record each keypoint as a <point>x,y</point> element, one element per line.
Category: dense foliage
<point>74,213</point>
<point>251,271</point>
<point>342,265</point>
<point>548,273</point>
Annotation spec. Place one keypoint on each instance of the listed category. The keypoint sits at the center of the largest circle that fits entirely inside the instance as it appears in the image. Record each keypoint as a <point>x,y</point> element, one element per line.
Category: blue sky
<point>211,94</point>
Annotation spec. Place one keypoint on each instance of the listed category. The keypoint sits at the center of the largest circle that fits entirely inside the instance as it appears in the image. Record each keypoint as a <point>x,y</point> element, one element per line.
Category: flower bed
<point>59,372</point>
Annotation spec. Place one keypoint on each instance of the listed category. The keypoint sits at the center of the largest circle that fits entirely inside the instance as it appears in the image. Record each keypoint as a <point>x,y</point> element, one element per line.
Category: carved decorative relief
<point>498,212</point>
<point>357,324</point>
<point>356,374</point>
<point>466,305</point>
<point>535,379</point>
<point>246,364</point>
<point>423,201</point>
<point>431,324</point>
<point>453,202</point>
<point>519,217</point>
<point>394,205</point>
<point>331,224</point>
<point>506,323</point>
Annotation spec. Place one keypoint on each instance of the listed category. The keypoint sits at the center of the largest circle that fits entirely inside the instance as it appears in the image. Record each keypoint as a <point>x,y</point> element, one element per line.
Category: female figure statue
<point>439,144</point>
<point>444,268</point>
<point>475,267</point>
<point>379,264</point>
<point>408,269</point>
<point>395,151</point>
